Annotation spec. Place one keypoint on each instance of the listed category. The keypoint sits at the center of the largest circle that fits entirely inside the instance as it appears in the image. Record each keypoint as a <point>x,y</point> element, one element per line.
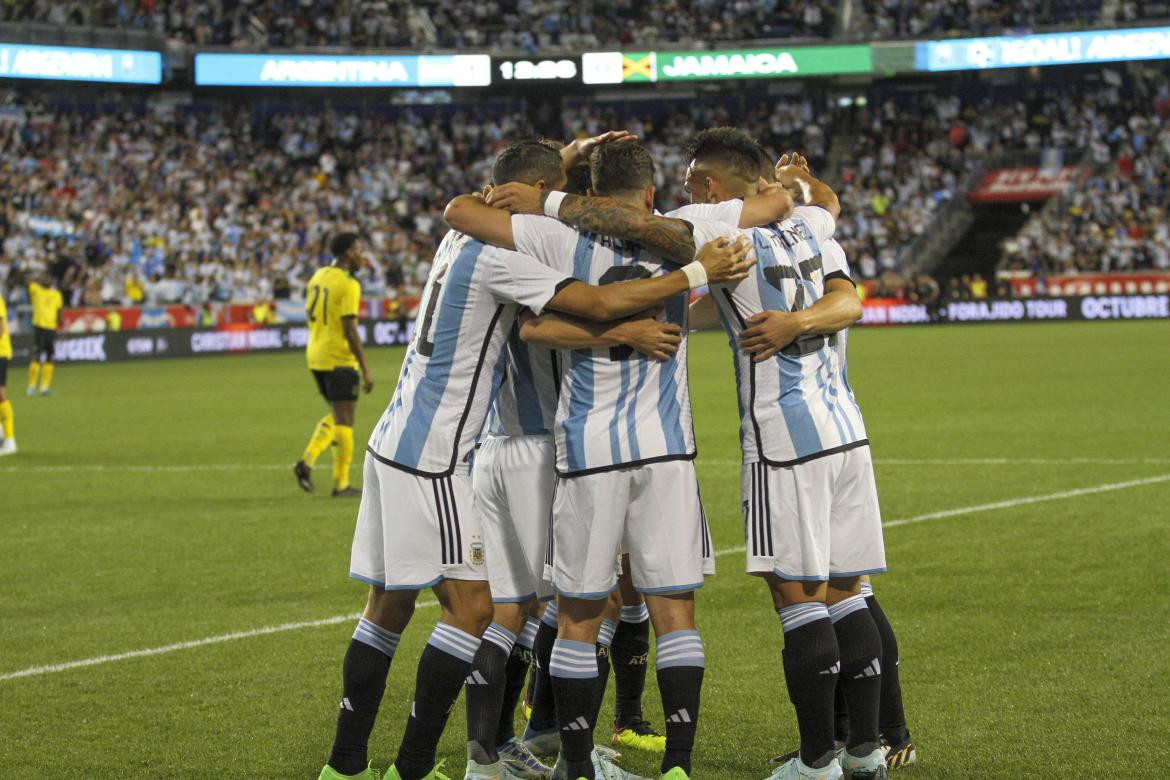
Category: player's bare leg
<point>442,669</point>
<point>680,663</point>
<point>364,670</point>
<point>630,656</point>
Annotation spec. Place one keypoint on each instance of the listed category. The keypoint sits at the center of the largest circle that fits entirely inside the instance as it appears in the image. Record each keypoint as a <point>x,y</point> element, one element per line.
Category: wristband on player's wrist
<point>552,203</point>
<point>696,274</point>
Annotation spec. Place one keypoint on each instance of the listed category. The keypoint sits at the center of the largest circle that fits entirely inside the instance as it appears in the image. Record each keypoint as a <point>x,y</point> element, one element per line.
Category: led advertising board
<point>1016,51</point>
<point>316,70</point>
<point>625,67</point>
<point>67,63</point>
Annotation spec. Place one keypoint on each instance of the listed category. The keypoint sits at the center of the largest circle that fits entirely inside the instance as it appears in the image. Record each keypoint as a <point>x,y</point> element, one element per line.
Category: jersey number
<point>805,345</point>
<point>424,346</point>
<point>623,273</point>
<point>324,300</point>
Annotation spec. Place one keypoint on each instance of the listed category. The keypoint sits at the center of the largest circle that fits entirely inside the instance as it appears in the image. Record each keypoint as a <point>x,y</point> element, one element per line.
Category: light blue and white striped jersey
<point>617,408</point>
<point>798,405</point>
<point>526,402</point>
<point>465,314</point>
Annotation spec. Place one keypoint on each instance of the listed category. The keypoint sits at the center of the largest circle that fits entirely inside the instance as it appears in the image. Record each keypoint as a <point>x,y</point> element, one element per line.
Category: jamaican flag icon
<point>639,66</point>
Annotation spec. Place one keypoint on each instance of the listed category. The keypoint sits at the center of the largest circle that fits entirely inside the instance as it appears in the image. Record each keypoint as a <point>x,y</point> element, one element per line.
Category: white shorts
<point>813,521</point>
<point>651,512</point>
<point>513,480</point>
<point>414,531</point>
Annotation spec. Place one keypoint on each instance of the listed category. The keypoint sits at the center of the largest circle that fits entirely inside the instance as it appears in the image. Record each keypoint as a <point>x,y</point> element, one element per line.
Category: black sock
<point>485,693</point>
<point>891,716</point>
<point>544,713</point>
<point>811,666</point>
<point>630,656</point>
<point>681,662</point>
<point>444,665</point>
<point>840,714</point>
<point>363,675</point>
<point>604,653</point>
<point>516,673</point>
<point>574,677</point>
<point>861,670</point>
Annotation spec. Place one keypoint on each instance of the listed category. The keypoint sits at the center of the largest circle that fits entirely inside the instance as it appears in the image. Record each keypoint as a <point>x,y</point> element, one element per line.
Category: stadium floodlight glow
<point>625,67</point>
<point>1016,51</point>
<point>316,70</point>
<point>68,63</point>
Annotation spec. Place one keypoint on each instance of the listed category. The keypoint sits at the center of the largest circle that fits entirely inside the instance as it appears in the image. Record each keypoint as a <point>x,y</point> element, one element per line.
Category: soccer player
<point>7,424</point>
<point>334,355</point>
<point>417,526</point>
<point>513,475</point>
<point>625,451</point>
<point>46,304</point>
<point>809,498</point>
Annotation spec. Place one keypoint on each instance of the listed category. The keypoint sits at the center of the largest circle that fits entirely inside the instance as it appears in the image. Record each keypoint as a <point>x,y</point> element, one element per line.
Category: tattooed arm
<point>670,238</point>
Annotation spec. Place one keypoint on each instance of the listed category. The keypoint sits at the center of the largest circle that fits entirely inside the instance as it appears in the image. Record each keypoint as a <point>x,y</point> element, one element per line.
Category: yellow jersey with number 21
<point>332,293</point>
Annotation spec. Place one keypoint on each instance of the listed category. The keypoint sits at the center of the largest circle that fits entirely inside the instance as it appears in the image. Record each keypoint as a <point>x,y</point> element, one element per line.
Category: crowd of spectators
<point>1115,220</point>
<point>157,202</point>
<point>891,19</point>
<point>440,24</point>
<point>537,24</point>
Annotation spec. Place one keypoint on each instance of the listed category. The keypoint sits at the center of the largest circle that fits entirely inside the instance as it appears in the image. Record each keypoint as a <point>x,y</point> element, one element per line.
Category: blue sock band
<point>680,648</point>
<point>500,637</point>
<point>454,642</point>
<point>528,634</point>
<point>846,607</point>
<point>794,616</point>
<point>635,614</point>
<point>550,614</point>
<point>573,659</point>
<point>370,633</point>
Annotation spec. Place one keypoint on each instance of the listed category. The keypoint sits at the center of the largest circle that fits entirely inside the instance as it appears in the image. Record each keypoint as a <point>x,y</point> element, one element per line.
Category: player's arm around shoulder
<point>472,215</point>
<point>770,331</point>
<point>657,340</point>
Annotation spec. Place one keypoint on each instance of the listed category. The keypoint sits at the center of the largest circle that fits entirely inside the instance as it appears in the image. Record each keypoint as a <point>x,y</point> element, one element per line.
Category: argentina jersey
<point>466,312</point>
<point>616,407</point>
<point>526,402</point>
<point>797,405</point>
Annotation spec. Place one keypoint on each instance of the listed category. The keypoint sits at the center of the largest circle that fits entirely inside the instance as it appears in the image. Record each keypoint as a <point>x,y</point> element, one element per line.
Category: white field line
<point>266,630</point>
<point>203,467</point>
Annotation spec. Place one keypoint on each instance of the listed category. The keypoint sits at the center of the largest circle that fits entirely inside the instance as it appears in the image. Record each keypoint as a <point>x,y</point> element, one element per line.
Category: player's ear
<point>648,197</point>
<point>592,193</point>
<point>712,190</point>
<point>487,190</point>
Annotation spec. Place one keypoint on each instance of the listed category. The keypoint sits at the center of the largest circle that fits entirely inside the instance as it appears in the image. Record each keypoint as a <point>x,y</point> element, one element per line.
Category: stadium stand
<point>535,24</point>
<point>136,201</point>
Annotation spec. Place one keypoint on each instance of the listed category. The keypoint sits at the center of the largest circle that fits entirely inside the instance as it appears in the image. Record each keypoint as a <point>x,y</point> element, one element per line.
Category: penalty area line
<point>35,671</point>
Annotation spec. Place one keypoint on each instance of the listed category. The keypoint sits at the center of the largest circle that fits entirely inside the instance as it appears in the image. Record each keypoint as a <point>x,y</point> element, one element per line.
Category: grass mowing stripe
<point>969,510</point>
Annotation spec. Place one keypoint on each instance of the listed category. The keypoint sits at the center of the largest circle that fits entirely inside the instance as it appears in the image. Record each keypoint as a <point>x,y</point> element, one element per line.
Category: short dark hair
<point>342,243</point>
<point>624,167</point>
<point>579,180</point>
<point>728,149</point>
<point>526,162</point>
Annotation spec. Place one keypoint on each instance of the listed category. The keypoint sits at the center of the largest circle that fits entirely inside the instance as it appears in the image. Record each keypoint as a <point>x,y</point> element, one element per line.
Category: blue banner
<point>1019,51</point>
<point>66,63</point>
<point>315,70</point>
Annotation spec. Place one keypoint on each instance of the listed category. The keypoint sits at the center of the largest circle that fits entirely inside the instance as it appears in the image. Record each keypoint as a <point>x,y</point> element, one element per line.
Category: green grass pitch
<point>153,504</point>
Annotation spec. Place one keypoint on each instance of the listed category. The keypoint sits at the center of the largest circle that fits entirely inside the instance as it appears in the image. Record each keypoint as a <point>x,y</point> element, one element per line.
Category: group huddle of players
<point>535,466</point>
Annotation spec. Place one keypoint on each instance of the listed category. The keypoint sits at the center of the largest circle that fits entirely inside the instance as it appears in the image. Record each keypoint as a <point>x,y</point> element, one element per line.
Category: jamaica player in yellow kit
<point>334,355</point>
<point>7,434</point>
<point>46,305</point>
